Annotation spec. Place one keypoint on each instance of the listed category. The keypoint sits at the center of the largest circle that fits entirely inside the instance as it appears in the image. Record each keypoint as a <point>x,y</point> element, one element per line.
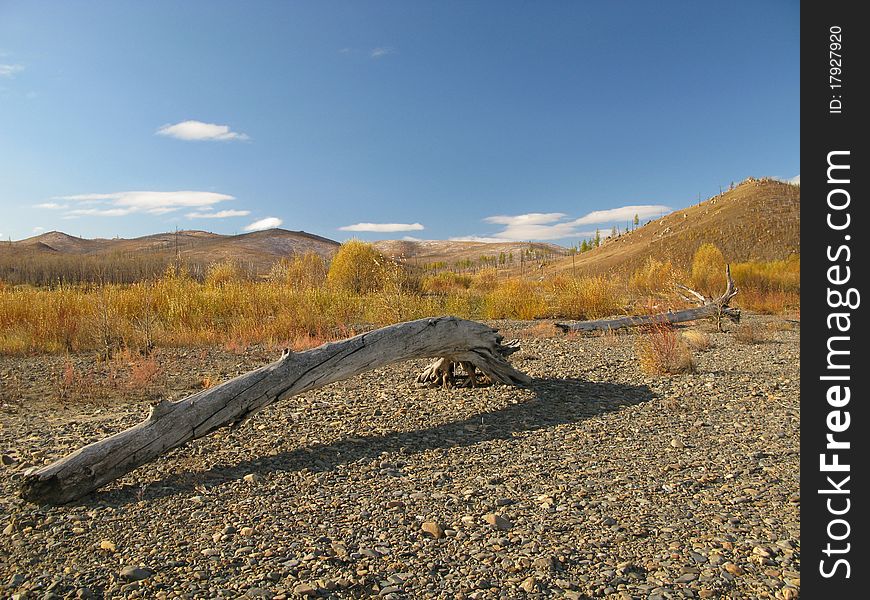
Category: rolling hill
<point>757,220</point>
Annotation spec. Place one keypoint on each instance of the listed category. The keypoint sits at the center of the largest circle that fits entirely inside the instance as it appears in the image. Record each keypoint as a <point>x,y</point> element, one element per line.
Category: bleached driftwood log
<point>444,371</point>
<point>172,424</point>
<point>709,307</point>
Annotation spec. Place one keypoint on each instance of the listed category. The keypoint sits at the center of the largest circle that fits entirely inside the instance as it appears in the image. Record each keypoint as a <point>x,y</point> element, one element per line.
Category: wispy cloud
<point>381,52</point>
<point>480,238</point>
<point>267,223</point>
<point>383,227</point>
<point>199,131</point>
<point>796,180</point>
<point>555,226</point>
<point>120,204</point>
<point>51,205</point>
<point>531,226</point>
<point>10,70</point>
<point>622,214</point>
<point>221,214</point>
<point>38,229</point>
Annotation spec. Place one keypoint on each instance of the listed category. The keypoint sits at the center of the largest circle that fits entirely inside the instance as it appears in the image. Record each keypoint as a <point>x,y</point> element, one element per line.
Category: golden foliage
<point>708,270</point>
<point>357,267</point>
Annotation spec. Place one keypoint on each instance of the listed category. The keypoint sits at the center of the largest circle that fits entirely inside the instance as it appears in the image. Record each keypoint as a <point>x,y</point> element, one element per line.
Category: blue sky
<point>435,120</point>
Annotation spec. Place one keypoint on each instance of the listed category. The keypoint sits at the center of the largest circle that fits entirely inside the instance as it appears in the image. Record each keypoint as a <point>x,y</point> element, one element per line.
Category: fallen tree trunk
<point>710,307</point>
<point>172,424</point>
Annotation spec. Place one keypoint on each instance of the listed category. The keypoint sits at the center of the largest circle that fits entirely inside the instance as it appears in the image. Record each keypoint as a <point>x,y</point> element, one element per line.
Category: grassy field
<point>305,302</point>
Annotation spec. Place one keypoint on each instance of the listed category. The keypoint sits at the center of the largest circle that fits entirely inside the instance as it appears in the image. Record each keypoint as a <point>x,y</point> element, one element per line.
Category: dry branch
<point>172,424</point>
<point>709,307</point>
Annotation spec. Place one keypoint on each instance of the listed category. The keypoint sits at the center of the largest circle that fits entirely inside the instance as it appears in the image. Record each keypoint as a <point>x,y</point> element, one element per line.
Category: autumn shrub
<point>749,333</point>
<point>445,282</point>
<point>222,273</point>
<point>708,270</point>
<point>485,280</point>
<point>654,278</point>
<point>661,351</point>
<point>302,272</point>
<point>585,297</point>
<point>697,340</point>
<point>516,299</point>
<point>357,267</point>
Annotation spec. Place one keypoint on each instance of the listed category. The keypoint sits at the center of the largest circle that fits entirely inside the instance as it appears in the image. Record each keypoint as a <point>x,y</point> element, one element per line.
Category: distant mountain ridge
<point>255,247</point>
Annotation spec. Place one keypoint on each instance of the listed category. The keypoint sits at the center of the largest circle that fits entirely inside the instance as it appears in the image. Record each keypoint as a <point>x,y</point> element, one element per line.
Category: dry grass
<point>749,333</point>
<point>697,340</point>
<point>299,307</point>
<point>662,352</point>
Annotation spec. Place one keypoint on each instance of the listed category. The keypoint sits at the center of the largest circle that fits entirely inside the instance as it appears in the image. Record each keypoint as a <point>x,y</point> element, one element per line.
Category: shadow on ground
<point>556,402</point>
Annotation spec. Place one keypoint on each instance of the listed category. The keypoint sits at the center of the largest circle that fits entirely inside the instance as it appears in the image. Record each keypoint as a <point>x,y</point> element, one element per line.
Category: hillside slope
<point>757,220</point>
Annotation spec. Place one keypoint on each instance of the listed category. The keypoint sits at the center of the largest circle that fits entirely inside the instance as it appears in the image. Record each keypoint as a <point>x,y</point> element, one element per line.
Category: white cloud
<point>796,180</point>
<point>197,131</point>
<point>527,219</point>
<point>51,205</point>
<point>554,226</point>
<point>10,70</point>
<point>221,214</point>
<point>267,223</point>
<point>622,214</point>
<point>38,229</point>
<point>120,204</point>
<point>405,238</point>
<point>383,227</point>
<point>381,52</point>
<point>479,238</point>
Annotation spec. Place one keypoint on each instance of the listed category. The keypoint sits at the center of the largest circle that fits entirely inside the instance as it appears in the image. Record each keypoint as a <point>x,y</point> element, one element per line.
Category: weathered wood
<point>172,424</point>
<point>710,307</point>
<point>443,371</point>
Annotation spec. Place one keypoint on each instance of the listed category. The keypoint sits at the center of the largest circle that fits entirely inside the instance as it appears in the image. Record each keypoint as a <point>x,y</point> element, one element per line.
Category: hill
<point>55,255</point>
<point>757,220</point>
<point>465,254</point>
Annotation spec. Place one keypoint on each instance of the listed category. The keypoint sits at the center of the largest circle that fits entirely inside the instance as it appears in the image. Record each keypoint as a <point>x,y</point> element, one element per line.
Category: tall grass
<point>298,306</point>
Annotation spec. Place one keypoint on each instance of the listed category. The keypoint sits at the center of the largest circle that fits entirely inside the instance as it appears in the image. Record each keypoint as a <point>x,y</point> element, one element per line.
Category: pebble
<point>498,521</point>
<point>343,492</point>
<point>135,573</point>
<point>433,529</point>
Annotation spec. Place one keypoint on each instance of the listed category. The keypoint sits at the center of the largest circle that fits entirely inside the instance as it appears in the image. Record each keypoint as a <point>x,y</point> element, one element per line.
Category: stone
<point>544,563</point>
<point>305,589</point>
<point>433,529</point>
<point>7,460</point>
<point>528,585</point>
<point>134,573</point>
<point>108,546</point>
<point>390,589</point>
<point>733,569</point>
<point>498,521</point>
<point>253,478</point>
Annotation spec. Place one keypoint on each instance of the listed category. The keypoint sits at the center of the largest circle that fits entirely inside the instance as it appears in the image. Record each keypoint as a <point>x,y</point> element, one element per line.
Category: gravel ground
<point>596,481</point>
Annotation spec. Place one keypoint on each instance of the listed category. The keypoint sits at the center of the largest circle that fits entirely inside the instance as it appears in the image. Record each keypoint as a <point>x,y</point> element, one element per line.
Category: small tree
<point>357,267</point>
<point>597,240</point>
<point>636,220</point>
<point>708,270</point>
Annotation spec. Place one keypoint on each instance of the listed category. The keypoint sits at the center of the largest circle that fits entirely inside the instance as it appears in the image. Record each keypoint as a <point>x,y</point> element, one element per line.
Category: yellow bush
<point>516,299</point>
<point>708,270</point>
<point>444,283</point>
<point>357,267</point>
<point>585,298</point>
<point>303,272</point>
<point>222,273</point>
<point>654,278</point>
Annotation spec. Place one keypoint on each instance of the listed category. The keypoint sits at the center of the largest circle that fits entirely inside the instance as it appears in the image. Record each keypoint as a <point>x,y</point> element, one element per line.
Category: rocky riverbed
<point>595,481</point>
